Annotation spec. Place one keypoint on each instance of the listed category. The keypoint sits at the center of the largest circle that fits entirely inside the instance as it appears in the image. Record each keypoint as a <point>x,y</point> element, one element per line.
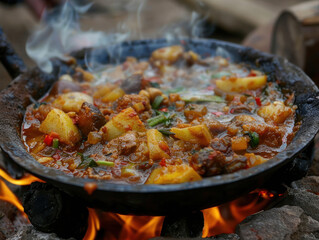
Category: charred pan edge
<point>138,199</point>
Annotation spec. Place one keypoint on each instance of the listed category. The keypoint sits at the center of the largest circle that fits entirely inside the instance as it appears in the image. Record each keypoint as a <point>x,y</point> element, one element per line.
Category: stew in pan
<point>172,118</point>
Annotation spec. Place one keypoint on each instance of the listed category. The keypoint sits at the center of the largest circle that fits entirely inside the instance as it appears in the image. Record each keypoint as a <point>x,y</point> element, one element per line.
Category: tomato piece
<point>258,101</point>
<point>163,162</point>
<point>48,140</point>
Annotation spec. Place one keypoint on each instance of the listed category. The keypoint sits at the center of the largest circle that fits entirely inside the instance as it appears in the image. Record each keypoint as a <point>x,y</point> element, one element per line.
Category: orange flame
<point>93,225</point>
<point>217,220</point>
<point>140,227</point>
<point>7,195</point>
<point>225,218</point>
<point>26,180</point>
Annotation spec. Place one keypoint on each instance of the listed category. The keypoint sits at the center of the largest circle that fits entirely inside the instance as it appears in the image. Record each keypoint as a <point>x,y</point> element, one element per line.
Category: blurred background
<point>247,22</point>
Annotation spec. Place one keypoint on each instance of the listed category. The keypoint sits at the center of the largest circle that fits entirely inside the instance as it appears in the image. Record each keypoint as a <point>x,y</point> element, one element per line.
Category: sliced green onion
<point>220,74</point>
<point>55,143</point>
<point>166,131</point>
<point>92,163</point>
<point>157,102</point>
<point>105,163</point>
<point>207,98</point>
<point>174,90</point>
<point>156,120</point>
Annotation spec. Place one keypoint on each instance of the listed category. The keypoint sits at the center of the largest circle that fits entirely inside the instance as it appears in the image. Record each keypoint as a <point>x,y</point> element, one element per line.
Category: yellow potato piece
<point>173,174</point>
<point>276,112</point>
<point>126,120</point>
<point>113,95</point>
<point>103,90</point>
<point>59,122</point>
<point>241,84</point>
<point>195,134</point>
<point>254,160</point>
<point>170,54</point>
<point>72,101</point>
<point>239,143</point>
<point>156,145</point>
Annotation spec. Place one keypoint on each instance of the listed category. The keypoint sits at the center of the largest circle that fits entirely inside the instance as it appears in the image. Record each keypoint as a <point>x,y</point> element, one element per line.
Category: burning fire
<point>7,195</point>
<point>217,220</point>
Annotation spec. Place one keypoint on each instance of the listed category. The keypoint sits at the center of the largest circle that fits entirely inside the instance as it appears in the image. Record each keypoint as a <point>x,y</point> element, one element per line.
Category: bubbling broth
<point>173,118</point>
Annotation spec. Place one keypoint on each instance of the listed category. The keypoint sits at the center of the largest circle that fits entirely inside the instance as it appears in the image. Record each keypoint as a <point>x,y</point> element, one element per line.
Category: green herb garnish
<point>163,117</point>
<point>166,131</point>
<point>157,102</point>
<point>55,143</point>
<point>86,161</point>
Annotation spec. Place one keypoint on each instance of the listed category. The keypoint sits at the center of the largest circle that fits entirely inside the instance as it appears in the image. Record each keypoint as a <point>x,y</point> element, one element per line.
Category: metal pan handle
<point>9,59</point>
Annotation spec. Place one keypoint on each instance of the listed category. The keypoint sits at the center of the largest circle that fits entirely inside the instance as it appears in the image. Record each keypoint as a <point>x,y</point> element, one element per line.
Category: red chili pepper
<point>48,140</point>
<point>252,74</point>
<point>258,101</point>
<point>163,162</point>
<point>232,110</point>
<point>164,109</point>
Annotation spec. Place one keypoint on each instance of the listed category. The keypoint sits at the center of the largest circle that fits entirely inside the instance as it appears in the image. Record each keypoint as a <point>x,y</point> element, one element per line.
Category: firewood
<point>50,210</point>
<point>296,37</point>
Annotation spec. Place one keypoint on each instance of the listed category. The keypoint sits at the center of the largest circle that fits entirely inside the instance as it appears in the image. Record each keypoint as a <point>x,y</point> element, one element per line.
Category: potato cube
<point>139,107</point>
<point>276,112</point>
<point>195,134</point>
<point>59,122</point>
<point>126,120</point>
<point>241,84</point>
<point>113,95</point>
<point>168,54</point>
<point>157,146</point>
<point>239,143</point>
<point>72,101</point>
<point>254,160</point>
<point>173,174</point>
<point>103,90</point>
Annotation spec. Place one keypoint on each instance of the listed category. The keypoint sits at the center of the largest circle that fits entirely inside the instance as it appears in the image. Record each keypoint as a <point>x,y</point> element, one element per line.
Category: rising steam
<point>60,34</point>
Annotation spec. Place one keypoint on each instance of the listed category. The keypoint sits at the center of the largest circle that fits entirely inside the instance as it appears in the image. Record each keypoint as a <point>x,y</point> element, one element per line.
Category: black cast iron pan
<point>161,199</point>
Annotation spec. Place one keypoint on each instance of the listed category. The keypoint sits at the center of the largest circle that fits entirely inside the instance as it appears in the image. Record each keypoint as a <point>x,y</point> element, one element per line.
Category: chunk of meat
<point>216,127</point>
<point>64,86</point>
<point>194,111</point>
<point>132,84</point>
<point>124,145</point>
<point>90,118</point>
<point>268,135</point>
<point>236,163</point>
<point>208,162</point>
<point>130,101</point>
<point>222,144</point>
